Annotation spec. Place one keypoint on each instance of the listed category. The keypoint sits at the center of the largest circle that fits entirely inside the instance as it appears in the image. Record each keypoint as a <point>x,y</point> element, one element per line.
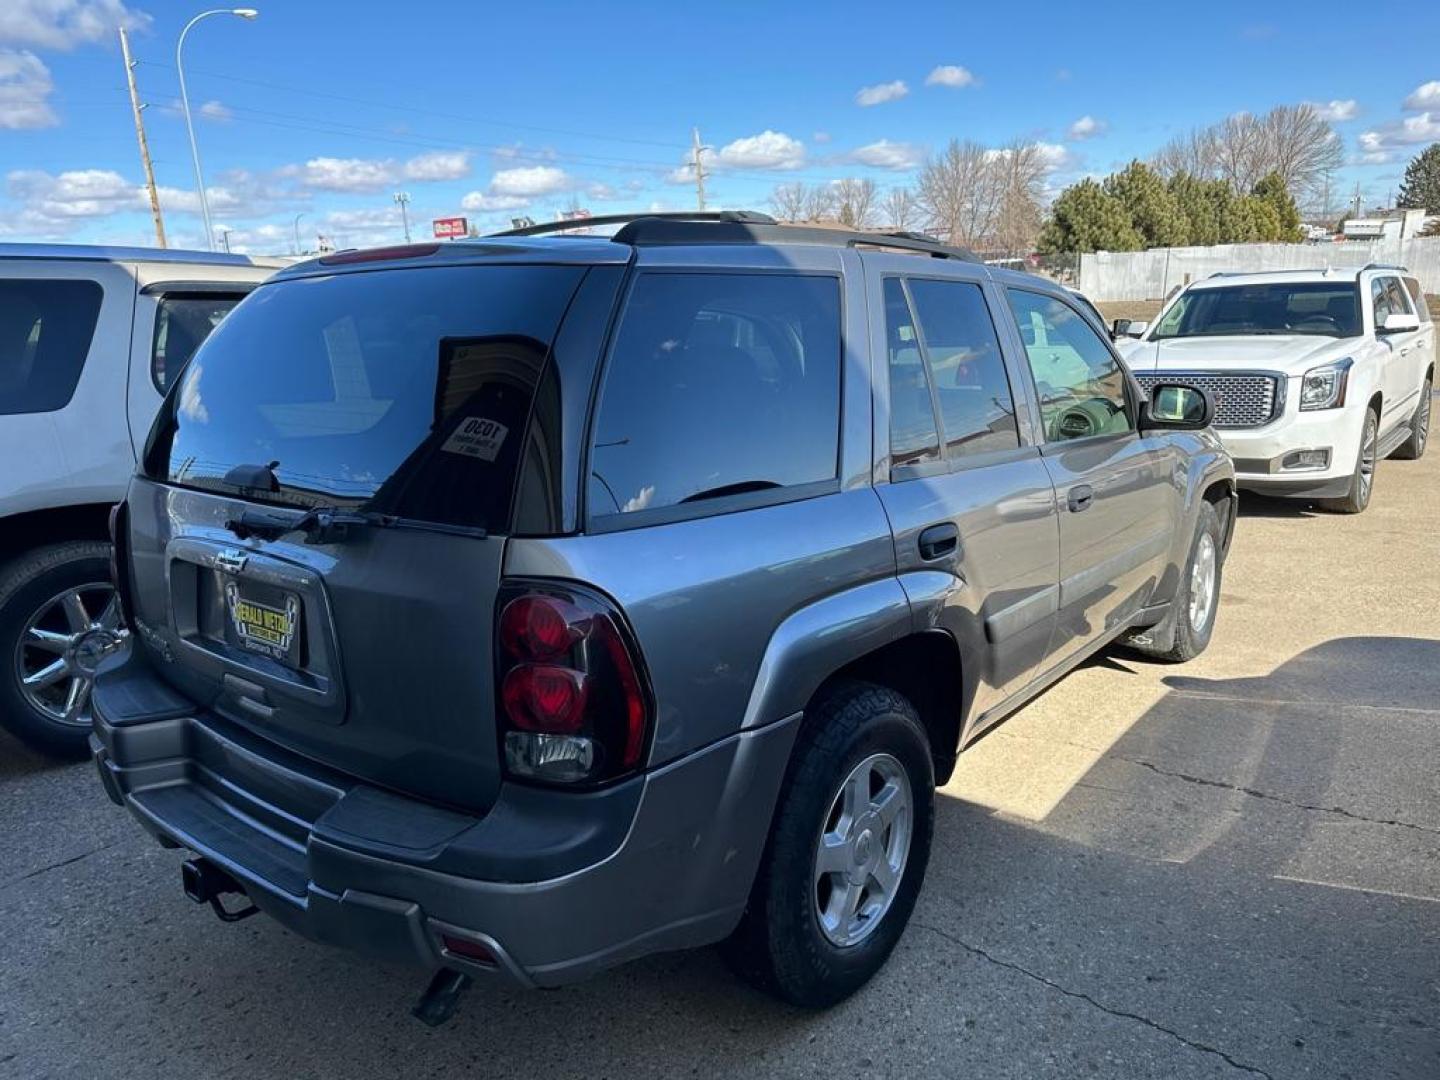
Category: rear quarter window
<point>718,385</point>
<point>46,327</point>
<point>182,323</point>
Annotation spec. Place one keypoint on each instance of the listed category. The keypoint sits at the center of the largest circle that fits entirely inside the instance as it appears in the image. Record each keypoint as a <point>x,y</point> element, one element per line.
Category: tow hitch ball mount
<point>206,883</point>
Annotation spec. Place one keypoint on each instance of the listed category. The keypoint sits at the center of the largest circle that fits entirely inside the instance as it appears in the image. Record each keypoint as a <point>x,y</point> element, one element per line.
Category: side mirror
<point>1397,322</point>
<point>1178,407</point>
<point>1128,328</point>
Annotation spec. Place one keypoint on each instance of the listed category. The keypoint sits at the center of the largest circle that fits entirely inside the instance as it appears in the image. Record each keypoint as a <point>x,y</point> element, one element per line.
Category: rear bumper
<point>555,885</point>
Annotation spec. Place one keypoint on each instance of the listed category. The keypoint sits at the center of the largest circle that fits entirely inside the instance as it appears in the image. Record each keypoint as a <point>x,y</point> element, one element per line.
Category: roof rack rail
<point>1384,266</point>
<point>660,230</point>
<point>743,216</point>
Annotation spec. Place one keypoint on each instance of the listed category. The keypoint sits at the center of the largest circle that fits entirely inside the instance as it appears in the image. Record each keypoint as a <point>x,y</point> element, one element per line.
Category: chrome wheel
<point>61,645</point>
<point>1368,455</point>
<point>1422,422</point>
<point>1203,580</point>
<point>862,849</point>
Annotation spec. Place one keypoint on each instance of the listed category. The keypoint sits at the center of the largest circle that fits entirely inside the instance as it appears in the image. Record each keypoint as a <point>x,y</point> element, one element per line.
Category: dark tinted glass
<point>181,324</point>
<point>718,384</point>
<point>1326,308</point>
<point>913,436</point>
<point>976,407</point>
<point>45,332</point>
<point>403,391</point>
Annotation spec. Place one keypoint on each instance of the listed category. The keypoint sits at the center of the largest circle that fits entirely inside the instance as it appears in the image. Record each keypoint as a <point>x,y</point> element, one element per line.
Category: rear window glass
<point>403,392</point>
<point>718,385</point>
<point>45,331</point>
<point>181,324</point>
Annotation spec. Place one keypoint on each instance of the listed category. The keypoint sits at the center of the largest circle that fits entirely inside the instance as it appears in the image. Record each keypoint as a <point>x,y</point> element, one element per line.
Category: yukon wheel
<point>1362,482</point>
<point>1414,447</point>
<point>58,617</point>
<point>847,851</point>
<point>1185,631</point>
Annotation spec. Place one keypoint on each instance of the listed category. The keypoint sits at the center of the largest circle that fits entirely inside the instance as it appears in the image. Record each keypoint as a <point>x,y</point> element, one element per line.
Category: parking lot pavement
<point>1228,868</point>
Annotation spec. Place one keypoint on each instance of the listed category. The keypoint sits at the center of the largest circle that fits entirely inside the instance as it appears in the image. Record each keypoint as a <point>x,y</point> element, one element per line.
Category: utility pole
<point>402,200</point>
<point>698,164</point>
<point>140,134</point>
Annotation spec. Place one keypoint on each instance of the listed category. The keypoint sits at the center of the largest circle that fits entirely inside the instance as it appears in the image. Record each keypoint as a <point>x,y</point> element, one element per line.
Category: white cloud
<point>438,165</point>
<point>1053,155</point>
<point>79,193</point>
<point>889,155</point>
<point>25,87</point>
<point>217,111</point>
<point>64,24</point>
<point>530,181</point>
<point>768,150</point>
<point>1336,111</point>
<point>483,202</point>
<point>880,93</point>
<point>1087,127</point>
<point>1374,157</point>
<point>952,75</point>
<point>1423,127</point>
<point>1424,96</point>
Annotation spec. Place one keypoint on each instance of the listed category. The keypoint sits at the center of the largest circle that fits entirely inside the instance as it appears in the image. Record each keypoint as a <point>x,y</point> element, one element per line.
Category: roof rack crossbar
<point>736,216</point>
<point>659,230</point>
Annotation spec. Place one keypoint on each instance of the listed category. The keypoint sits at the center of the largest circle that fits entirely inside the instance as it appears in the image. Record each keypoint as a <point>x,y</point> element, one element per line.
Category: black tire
<point>780,945</point>
<point>26,584</point>
<point>1413,448</point>
<point>1178,638</point>
<point>1357,498</point>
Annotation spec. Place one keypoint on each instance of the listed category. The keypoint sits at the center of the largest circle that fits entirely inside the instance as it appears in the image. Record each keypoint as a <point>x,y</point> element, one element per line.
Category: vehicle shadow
<point>1248,878</point>
<point>18,760</point>
<point>1265,506</point>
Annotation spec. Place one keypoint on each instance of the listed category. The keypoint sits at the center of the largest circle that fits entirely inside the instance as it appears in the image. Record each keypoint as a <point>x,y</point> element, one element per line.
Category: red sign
<point>451,227</point>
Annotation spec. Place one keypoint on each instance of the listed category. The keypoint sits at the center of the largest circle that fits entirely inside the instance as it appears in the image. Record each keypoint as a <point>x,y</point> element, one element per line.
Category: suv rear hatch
<point>391,405</point>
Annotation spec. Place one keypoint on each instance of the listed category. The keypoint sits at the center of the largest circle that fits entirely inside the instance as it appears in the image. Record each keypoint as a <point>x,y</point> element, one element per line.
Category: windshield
<point>403,392</point>
<point>1323,308</point>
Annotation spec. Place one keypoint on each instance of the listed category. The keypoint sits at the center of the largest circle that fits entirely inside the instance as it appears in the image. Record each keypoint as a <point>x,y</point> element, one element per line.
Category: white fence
<point>1151,275</point>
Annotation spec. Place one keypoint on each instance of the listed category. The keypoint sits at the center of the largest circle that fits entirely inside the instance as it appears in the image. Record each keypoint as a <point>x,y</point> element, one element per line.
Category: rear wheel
<point>847,851</point>
<point>58,616</point>
<point>1362,481</point>
<point>1414,447</point>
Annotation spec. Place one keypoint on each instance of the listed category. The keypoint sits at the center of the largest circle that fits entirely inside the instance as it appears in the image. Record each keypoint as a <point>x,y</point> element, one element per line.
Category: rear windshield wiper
<point>330,524</point>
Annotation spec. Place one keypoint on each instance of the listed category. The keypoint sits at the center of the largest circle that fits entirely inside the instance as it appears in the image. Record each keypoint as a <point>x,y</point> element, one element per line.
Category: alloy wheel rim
<point>1367,462</point>
<point>59,646</point>
<point>1202,583</point>
<point>862,849</point>
<point>1422,433</point>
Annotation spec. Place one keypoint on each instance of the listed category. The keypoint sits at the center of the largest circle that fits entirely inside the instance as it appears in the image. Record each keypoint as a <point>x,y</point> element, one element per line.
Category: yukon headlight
<point>1324,387</point>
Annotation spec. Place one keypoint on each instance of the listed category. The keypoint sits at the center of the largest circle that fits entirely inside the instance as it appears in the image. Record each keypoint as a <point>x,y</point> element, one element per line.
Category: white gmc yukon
<point>1317,374</point>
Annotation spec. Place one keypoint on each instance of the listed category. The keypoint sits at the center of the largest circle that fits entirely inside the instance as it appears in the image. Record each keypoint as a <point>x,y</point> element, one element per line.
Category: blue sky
<point>326,109</point>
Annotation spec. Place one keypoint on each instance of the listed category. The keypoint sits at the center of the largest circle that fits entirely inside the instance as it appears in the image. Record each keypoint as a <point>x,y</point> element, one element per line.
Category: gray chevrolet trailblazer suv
<point>521,606</point>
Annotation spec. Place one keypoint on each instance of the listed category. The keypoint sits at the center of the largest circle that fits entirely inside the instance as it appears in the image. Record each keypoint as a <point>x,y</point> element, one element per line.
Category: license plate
<point>271,629</point>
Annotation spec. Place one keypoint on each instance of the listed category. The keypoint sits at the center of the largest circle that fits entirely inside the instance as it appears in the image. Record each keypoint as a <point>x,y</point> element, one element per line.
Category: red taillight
<point>543,697</point>
<point>380,254</point>
<point>572,699</point>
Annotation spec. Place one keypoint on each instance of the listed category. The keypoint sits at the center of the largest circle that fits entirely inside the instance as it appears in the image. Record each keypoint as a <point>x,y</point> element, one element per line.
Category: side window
<point>181,324</point>
<point>46,326</point>
<point>1398,300</point>
<point>1081,385</point>
<point>977,410</point>
<point>718,384</point>
<point>914,438</point>
<point>1380,299</point>
<point>1417,299</point>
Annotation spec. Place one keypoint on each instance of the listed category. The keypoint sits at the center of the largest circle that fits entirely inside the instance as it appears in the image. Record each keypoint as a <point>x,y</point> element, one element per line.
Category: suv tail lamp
<point>573,708</point>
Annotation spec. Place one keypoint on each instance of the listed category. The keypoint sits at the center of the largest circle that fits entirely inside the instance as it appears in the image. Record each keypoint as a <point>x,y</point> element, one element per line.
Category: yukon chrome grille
<point>1241,400</point>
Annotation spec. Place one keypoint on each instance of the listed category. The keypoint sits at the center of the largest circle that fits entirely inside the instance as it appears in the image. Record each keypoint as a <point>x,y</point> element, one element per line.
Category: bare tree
<point>819,203</point>
<point>788,202</point>
<point>1192,154</point>
<point>1292,140</point>
<point>855,202</point>
<point>960,191</point>
<point>1020,174</point>
<point>900,209</point>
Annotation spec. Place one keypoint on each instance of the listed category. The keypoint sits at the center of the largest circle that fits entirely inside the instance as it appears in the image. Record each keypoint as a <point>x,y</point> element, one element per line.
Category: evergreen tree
<point>1420,190</point>
<point>1271,190</point>
<point>1202,215</point>
<point>1153,209</point>
<point>1085,218</point>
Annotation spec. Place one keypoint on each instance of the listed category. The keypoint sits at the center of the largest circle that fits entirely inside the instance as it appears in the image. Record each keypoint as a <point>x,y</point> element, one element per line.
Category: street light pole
<point>244,13</point>
<point>402,199</point>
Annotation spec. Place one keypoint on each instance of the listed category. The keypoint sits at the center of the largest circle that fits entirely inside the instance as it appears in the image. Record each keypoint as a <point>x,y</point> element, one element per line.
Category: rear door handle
<point>939,540</point>
<point>1080,498</point>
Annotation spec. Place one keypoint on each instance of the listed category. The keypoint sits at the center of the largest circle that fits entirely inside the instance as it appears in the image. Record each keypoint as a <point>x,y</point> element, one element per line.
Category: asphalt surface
<point>1225,869</point>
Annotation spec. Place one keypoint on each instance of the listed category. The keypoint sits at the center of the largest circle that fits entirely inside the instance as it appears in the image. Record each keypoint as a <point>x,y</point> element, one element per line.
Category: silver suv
<point>523,606</point>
